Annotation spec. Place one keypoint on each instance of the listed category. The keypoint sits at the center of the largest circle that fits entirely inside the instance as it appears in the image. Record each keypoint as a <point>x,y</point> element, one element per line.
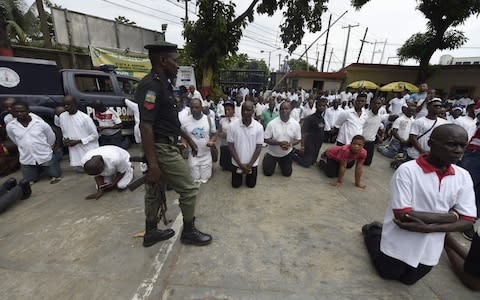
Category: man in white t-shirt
<point>468,122</point>
<point>400,133</point>
<point>422,129</point>
<point>111,167</point>
<point>201,129</point>
<point>421,110</point>
<point>396,104</point>
<point>245,140</point>
<point>428,197</point>
<point>331,115</point>
<point>109,126</point>
<point>194,94</point>
<point>281,134</point>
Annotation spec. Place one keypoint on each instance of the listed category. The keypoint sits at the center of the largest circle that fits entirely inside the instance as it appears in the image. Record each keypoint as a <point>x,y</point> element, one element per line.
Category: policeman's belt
<point>170,140</point>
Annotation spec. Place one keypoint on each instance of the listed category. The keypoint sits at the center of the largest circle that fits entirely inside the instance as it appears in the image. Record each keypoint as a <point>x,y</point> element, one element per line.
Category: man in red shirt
<point>337,159</point>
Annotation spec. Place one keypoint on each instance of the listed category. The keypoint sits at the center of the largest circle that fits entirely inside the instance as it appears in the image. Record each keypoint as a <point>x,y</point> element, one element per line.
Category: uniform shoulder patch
<point>150,99</point>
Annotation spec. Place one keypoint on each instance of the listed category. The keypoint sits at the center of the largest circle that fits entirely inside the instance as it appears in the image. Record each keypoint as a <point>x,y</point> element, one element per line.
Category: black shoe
<point>367,227</point>
<point>10,183</point>
<point>154,235</point>
<point>468,234</point>
<point>192,236</point>
<point>27,191</point>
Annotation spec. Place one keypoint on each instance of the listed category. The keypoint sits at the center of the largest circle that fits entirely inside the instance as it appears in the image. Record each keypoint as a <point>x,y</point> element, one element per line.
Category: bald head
<point>443,132</point>
<point>94,166</point>
<point>447,144</point>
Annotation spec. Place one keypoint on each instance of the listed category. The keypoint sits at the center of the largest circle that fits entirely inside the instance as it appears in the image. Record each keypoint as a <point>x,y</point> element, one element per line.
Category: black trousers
<point>310,155</point>
<point>9,197</point>
<point>389,267</point>
<point>226,159</point>
<point>331,167</point>
<point>370,147</point>
<point>251,179</point>
<point>270,162</point>
<point>116,139</point>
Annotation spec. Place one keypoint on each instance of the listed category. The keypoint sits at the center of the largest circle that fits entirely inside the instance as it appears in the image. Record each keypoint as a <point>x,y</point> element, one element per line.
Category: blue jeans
<point>33,172</point>
<point>392,149</point>
<point>471,163</point>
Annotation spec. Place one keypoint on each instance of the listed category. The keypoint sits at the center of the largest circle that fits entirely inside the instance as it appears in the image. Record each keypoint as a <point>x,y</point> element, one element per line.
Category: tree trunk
<point>43,24</point>
<point>423,71</point>
<point>5,47</point>
<point>207,80</point>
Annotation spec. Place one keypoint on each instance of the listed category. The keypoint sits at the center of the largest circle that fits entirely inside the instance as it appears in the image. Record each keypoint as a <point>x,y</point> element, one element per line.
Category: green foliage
<point>300,65</point>
<point>441,15</point>
<point>418,46</point>
<point>297,14</point>
<point>124,20</point>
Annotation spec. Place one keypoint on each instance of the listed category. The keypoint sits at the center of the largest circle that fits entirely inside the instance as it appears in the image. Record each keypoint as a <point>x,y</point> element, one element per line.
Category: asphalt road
<point>288,238</point>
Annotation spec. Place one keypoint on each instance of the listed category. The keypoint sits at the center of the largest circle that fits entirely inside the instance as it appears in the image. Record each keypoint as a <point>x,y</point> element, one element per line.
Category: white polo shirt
<point>282,131</point>
<point>396,106</point>
<point>245,140</point>
<point>469,124</point>
<point>419,126</point>
<point>417,186</point>
<point>350,125</point>
<point>34,142</point>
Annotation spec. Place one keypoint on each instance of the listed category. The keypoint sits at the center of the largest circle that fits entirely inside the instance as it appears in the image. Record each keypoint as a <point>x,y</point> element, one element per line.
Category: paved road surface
<point>289,238</point>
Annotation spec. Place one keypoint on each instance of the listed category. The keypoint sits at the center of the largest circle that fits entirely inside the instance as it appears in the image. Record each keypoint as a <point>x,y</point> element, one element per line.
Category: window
<point>95,84</point>
<point>128,86</point>
<point>476,62</point>
<point>467,63</point>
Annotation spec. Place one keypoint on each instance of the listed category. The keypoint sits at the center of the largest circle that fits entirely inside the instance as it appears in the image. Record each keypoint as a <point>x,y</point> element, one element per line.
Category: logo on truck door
<point>8,78</point>
<point>126,114</point>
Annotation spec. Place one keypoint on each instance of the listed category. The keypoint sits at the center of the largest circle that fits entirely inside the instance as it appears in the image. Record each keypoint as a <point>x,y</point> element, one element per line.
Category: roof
<point>308,74</point>
<point>401,67</point>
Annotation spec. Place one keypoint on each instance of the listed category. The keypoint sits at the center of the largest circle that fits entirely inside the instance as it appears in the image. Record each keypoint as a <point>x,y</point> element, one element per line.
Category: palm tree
<point>17,21</point>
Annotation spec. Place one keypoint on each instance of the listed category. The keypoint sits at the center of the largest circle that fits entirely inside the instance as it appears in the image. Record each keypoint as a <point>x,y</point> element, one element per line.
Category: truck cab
<point>43,86</point>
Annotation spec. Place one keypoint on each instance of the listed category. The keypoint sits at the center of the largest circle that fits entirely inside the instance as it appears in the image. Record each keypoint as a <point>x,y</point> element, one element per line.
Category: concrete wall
<point>63,58</point>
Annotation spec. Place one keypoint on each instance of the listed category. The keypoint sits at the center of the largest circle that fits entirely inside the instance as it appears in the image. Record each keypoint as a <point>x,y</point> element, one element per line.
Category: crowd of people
<point>433,143</point>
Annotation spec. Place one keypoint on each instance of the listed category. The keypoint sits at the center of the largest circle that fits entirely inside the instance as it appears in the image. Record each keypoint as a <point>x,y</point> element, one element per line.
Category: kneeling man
<point>429,196</point>
<point>111,167</point>
<point>281,134</point>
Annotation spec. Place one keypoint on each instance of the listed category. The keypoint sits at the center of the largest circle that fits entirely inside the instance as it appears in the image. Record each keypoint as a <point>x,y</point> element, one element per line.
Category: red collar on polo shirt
<point>428,168</point>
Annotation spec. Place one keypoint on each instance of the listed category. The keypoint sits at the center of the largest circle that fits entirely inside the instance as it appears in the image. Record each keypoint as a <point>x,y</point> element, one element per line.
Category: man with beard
<point>312,136</point>
<point>160,128</point>
<point>245,140</point>
<point>202,131</point>
<point>79,132</point>
<point>429,197</point>
<point>281,134</point>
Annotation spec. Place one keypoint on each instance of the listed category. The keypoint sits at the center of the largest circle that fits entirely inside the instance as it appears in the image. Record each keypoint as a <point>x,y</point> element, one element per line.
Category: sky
<point>392,21</point>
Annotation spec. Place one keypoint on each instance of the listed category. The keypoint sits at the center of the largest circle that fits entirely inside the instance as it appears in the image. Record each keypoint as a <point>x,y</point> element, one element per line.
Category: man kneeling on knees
<point>111,167</point>
<point>337,159</point>
<point>429,196</point>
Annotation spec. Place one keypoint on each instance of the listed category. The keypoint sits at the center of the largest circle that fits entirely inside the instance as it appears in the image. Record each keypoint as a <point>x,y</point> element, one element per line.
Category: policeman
<point>160,128</point>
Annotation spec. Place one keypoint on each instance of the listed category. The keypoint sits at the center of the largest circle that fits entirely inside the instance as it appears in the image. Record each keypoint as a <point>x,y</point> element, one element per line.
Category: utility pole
<point>374,49</point>
<point>383,51</point>
<point>306,55</point>
<point>361,47</point>
<point>186,9</point>
<point>279,62</point>
<point>329,60</point>
<point>43,24</point>
<point>326,42</point>
<point>318,56</point>
<point>269,56</point>
<point>346,46</point>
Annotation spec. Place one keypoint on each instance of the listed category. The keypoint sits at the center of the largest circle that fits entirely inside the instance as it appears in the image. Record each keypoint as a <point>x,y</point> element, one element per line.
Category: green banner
<point>128,63</point>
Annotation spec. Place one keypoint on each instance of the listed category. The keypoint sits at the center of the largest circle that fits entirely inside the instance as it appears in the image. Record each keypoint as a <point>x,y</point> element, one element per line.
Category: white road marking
<point>146,287</point>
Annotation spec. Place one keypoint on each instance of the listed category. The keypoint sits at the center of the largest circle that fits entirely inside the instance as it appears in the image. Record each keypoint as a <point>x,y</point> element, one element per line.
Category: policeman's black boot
<point>26,189</point>
<point>191,235</point>
<point>154,235</point>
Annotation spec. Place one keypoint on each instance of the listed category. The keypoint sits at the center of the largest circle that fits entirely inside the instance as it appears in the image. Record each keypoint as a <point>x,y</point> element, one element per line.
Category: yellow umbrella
<point>365,84</point>
<point>399,86</point>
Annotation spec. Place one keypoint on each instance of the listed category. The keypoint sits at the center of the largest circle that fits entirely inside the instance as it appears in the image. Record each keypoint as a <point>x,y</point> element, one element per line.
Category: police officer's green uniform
<point>157,106</point>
